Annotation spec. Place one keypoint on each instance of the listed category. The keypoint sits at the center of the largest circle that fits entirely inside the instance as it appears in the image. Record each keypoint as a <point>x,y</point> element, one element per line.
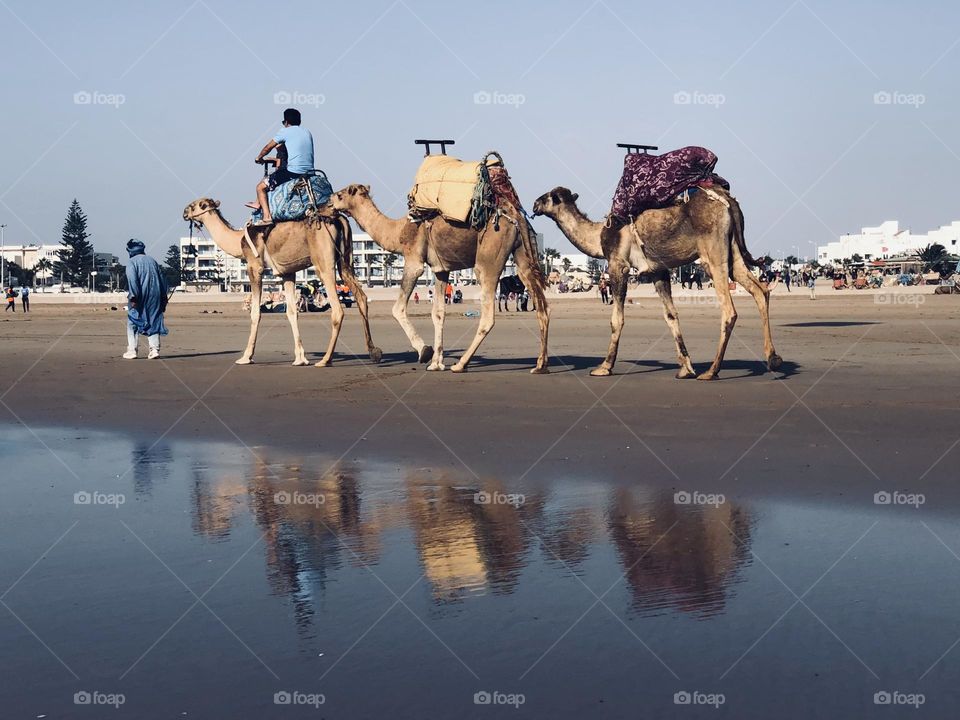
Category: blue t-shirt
<point>299,144</point>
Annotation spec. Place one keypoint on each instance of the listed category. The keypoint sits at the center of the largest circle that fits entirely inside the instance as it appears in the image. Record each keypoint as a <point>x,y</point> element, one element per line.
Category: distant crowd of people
<point>11,294</point>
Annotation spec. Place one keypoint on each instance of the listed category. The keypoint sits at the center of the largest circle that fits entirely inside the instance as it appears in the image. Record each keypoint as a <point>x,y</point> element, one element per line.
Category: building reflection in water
<point>672,556</point>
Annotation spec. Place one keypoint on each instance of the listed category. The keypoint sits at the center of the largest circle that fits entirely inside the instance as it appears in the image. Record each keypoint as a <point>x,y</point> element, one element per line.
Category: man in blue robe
<point>146,301</point>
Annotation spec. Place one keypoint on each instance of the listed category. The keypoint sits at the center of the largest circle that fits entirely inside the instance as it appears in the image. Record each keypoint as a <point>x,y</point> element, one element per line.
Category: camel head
<point>550,203</point>
<point>194,210</point>
<point>347,199</point>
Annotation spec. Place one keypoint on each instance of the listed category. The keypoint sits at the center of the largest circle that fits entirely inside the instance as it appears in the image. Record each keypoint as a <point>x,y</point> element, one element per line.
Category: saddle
<point>298,198</point>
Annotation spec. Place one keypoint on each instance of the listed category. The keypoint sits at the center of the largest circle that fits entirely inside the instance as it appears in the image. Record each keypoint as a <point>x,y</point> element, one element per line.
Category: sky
<point>826,116</point>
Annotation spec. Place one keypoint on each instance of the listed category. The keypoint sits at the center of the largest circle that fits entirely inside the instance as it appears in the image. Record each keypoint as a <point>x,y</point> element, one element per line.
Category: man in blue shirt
<point>299,145</point>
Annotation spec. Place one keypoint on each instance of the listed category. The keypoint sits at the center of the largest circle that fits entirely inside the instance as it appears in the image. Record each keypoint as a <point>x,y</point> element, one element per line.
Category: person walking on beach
<point>146,301</point>
<point>25,298</point>
<point>604,292</point>
<point>786,278</point>
<point>11,296</point>
<point>812,284</point>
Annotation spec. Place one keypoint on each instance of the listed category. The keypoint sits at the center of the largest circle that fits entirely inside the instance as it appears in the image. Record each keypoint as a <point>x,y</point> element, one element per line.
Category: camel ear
<point>572,197</point>
<point>364,189</point>
<point>216,203</point>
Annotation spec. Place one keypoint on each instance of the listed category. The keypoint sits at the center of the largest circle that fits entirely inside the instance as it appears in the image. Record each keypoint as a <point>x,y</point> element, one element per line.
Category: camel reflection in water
<point>672,557</point>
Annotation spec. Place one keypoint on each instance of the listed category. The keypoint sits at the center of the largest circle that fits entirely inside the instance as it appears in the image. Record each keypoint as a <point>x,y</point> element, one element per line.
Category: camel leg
<point>618,287</point>
<point>256,296</point>
<point>439,312</point>
<point>525,270</point>
<point>411,273</point>
<point>329,278</point>
<point>728,315</point>
<point>350,280</point>
<point>761,295</point>
<point>289,292</point>
<point>488,317</point>
<point>662,284</point>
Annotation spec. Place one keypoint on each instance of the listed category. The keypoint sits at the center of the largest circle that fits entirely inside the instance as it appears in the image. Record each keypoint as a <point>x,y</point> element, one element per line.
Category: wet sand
<point>798,595</point>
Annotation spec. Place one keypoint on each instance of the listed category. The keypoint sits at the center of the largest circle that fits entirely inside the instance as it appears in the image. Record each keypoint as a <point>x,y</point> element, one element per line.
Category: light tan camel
<point>446,246</point>
<point>292,246</point>
<point>709,226</point>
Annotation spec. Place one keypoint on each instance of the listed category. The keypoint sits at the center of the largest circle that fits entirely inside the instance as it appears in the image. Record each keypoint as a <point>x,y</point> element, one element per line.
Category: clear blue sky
<point>793,117</point>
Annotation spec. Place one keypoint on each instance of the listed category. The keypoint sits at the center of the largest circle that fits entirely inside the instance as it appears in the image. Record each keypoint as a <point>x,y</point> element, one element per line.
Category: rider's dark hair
<point>291,116</point>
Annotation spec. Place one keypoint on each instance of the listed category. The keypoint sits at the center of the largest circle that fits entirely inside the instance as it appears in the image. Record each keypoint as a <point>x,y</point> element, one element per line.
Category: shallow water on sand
<point>200,580</point>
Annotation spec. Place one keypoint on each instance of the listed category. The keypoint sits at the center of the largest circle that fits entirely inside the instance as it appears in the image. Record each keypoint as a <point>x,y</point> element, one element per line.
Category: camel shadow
<point>831,323</point>
<point>201,354</point>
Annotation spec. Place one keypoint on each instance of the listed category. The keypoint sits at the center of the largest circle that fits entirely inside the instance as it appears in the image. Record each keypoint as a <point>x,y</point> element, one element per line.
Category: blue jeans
<point>153,340</point>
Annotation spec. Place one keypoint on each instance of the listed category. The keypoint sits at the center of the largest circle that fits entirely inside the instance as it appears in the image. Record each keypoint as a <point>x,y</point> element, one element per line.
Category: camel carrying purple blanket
<point>653,181</point>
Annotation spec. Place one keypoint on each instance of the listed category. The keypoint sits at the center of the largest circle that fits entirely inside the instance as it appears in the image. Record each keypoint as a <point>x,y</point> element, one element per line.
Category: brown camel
<point>290,247</point>
<point>446,246</point>
<point>709,226</point>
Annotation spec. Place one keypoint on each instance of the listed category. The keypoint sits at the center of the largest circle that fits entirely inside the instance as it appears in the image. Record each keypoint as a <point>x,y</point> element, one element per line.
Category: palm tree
<point>549,255</point>
<point>566,265</point>
<point>932,256</point>
<point>43,268</point>
<point>388,262</point>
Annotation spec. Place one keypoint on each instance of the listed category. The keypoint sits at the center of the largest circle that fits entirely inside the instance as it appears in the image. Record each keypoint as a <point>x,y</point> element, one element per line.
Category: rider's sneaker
<point>130,355</point>
<point>154,354</point>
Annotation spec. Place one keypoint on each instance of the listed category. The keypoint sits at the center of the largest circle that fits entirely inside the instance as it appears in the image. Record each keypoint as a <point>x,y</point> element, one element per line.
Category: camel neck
<point>385,231</point>
<point>582,232</point>
<point>226,238</point>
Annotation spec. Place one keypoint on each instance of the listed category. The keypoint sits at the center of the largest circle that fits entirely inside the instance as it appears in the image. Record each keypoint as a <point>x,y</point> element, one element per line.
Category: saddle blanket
<point>290,202</point>
<point>653,181</point>
<point>446,185</point>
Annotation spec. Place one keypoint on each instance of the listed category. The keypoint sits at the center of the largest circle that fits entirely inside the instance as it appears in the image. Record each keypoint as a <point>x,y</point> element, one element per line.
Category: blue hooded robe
<point>145,284</point>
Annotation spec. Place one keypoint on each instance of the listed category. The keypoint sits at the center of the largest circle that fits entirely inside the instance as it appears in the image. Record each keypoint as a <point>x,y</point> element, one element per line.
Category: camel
<point>446,246</point>
<point>325,243</point>
<point>708,226</point>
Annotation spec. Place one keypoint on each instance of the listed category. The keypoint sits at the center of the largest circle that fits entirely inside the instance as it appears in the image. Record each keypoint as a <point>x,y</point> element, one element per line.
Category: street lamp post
<point>3,257</point>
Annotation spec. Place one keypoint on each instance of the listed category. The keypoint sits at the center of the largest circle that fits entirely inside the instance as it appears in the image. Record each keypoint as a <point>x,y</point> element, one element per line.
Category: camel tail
<point>529,248</point>
<point>344,249</point>
<point>737,233</point>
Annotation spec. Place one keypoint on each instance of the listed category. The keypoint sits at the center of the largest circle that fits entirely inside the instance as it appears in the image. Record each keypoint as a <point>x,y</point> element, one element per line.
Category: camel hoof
<point>322,363</point>
<point>540,370</point>
<point>436,366</point>
<point>600,372</point>
<point>708,377</point>
<point>376,354</point>
<point>458,368</point>
<point>300,363</point>
<point>426,353</point>
<point>243,361</point>
<point>774,362</point>
<point>685,374</point>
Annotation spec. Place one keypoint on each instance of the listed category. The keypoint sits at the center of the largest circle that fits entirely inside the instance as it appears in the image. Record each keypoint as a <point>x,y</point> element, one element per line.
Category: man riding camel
<point>298,143</point>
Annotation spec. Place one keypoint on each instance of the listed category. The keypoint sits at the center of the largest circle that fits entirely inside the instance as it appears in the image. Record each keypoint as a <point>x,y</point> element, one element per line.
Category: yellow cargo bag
<point>446,185</point>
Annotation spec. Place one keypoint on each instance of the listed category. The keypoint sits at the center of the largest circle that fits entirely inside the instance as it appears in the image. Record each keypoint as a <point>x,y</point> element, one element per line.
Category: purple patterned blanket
<point>653,181</point>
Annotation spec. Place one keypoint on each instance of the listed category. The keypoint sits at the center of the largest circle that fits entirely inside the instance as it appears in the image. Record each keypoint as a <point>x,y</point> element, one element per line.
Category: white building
<point>888,240</point>
<point>27,256</point>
